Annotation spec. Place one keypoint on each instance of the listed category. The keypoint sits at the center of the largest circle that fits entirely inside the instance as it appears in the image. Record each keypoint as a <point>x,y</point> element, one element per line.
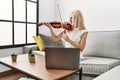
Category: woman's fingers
<point>47,24</point>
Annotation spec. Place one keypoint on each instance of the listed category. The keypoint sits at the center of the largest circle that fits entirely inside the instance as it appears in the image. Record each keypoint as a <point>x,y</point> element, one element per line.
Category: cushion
<point>39,42</point>
<point>103,44</point>
<point>113,74</point>
<point>48,42</point>
<point>40,53</point>
<point>98,65</point>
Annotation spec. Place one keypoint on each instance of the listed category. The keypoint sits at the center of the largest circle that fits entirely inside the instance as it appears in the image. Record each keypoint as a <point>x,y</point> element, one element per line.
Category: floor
<point>13,76</point>
<point>74,77</point>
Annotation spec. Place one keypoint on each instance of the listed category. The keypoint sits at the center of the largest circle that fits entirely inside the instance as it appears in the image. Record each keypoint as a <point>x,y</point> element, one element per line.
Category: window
<point>5,33</point>
<point>18,20</point>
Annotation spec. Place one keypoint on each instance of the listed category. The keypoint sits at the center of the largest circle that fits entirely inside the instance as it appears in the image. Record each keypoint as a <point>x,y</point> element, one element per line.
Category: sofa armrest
<point>26,48</point>
<point>112,74</point>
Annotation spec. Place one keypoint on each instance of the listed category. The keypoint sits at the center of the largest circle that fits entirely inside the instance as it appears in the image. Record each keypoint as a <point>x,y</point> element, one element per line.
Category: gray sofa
<point>102,53</point>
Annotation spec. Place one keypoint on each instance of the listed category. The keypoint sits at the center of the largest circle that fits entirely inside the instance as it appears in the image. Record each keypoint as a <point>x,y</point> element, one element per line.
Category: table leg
<point>80,74</point>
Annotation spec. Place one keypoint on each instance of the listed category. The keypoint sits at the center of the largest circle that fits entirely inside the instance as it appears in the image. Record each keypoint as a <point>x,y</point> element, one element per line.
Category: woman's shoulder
<point>84,31</point>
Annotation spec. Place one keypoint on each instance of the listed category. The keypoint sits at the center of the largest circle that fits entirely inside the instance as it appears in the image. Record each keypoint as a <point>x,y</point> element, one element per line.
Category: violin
<point>65,25</point>
<point>55,24</point>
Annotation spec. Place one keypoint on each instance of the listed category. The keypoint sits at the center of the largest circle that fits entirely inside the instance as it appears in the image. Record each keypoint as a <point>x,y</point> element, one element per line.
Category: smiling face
<point>71,20</point>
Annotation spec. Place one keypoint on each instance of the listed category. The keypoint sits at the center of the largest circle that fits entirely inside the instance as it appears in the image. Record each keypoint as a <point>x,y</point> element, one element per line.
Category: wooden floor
<point>10,75</point>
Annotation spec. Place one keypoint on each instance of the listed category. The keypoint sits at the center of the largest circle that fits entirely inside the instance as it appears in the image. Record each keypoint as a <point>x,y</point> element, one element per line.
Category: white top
<point>76,37</point>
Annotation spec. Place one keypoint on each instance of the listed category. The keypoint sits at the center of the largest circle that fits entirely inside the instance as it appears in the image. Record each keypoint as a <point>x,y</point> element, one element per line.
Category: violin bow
<point>60,15</point>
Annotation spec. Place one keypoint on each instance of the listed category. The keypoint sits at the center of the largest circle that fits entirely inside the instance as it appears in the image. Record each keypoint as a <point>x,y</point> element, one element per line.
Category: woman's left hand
<point>47,24</point>
<point>65,37</point>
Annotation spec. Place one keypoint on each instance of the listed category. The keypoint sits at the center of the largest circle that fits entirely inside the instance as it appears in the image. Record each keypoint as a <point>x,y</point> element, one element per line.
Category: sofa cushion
<point>103,44</point>
<point>113,74</point>
<point>27,47</point>
<point>41,53</point>
<point>98,65</point>
<point>47,40</point>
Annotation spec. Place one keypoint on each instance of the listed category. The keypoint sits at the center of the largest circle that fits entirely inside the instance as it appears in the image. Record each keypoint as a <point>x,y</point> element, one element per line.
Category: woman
<point>75,38</point>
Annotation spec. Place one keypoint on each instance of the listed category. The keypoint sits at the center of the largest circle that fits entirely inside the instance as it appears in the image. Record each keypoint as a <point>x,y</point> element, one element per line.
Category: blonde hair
<point>78,21</point>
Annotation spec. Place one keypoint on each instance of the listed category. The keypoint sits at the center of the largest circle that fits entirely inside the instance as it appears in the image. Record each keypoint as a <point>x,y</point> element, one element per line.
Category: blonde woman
<point>75,38</point>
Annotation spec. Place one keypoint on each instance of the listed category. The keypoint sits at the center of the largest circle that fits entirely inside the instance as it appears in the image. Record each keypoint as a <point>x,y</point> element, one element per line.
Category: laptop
<point>62,58</point>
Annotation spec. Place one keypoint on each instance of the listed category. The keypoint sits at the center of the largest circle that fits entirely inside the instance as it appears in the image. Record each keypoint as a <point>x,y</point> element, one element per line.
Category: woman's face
<point>71,19</point>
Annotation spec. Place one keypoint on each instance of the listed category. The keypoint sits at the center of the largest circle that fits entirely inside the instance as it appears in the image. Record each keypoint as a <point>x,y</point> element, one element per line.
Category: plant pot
<point>31,58</point>
<point>14,58</point>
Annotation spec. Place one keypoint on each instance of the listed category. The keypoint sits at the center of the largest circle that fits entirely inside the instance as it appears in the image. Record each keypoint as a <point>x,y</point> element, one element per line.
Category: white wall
<point>98,14</point>
<point>46,10</point>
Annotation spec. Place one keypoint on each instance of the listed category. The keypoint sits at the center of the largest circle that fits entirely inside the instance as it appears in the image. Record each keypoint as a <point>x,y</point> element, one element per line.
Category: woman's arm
<point>81,44</point>
<point>53,35</point>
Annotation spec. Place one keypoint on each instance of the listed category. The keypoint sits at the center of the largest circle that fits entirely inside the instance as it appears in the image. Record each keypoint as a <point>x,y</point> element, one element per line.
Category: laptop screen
<point>62,58</point>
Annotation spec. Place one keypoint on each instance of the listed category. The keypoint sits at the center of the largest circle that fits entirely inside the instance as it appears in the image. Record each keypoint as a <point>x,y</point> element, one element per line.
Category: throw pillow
<point>39,42</point>
<point>48,42</point>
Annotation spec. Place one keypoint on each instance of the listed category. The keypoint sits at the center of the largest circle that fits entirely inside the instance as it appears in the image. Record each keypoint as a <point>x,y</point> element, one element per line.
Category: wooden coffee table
<point>37,70</point>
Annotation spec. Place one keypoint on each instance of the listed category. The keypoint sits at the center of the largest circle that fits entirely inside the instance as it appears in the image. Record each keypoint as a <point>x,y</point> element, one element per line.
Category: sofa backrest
<point>103,44</point>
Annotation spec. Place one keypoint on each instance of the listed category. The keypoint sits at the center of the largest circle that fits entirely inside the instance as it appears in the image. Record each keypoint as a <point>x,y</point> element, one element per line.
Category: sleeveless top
<point>76,37</point>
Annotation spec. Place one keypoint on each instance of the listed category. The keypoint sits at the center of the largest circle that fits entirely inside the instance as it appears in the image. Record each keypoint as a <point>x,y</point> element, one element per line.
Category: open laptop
<point>62,58</point>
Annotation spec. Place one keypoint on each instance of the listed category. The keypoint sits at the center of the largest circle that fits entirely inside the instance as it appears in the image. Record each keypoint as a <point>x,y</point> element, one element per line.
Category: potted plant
<point>14,57</point>
<point>31,55</point>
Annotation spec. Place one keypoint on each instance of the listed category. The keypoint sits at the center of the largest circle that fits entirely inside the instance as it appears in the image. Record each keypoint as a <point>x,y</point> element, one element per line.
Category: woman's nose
<point>70,20</point>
